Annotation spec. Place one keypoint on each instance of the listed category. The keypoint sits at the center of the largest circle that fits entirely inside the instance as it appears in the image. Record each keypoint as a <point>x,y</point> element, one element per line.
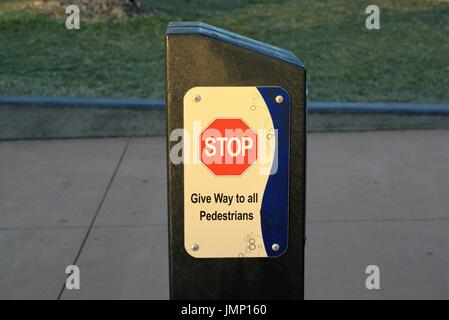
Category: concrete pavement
<point>373,198</point>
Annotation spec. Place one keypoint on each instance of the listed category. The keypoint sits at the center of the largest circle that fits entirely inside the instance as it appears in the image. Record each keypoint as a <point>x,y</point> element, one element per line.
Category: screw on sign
<point>228,147</point>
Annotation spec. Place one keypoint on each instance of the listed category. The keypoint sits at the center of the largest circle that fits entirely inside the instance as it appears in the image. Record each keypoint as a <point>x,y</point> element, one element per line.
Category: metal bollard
<point>236,141</point>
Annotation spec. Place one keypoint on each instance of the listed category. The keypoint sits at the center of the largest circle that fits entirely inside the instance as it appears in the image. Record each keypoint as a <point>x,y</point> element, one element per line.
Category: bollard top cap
<point>200,28</point>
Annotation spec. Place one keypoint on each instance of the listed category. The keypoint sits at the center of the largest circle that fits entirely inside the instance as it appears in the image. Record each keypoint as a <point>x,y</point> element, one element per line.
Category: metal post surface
<point>199,55</point>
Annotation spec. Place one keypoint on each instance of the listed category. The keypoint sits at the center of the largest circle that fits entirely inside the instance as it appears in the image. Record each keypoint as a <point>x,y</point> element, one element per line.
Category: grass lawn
<point>406,60</point>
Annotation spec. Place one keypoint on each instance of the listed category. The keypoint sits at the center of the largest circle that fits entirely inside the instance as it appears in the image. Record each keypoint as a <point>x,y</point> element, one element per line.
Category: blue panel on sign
<point>275,202</point>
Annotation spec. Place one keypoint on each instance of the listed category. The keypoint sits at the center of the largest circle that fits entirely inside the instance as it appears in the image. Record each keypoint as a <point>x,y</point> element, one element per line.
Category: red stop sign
<point>228,147</point>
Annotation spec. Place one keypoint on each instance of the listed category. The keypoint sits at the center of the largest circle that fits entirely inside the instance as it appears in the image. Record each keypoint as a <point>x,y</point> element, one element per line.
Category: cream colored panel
<point>214,238</point>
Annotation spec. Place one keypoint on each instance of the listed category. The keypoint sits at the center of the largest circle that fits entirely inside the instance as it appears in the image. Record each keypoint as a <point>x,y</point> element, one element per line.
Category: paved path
<point>373,198</point>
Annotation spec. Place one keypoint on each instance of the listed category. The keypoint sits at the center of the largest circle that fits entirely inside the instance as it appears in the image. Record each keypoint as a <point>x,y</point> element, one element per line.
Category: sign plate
<point>236,171</point>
